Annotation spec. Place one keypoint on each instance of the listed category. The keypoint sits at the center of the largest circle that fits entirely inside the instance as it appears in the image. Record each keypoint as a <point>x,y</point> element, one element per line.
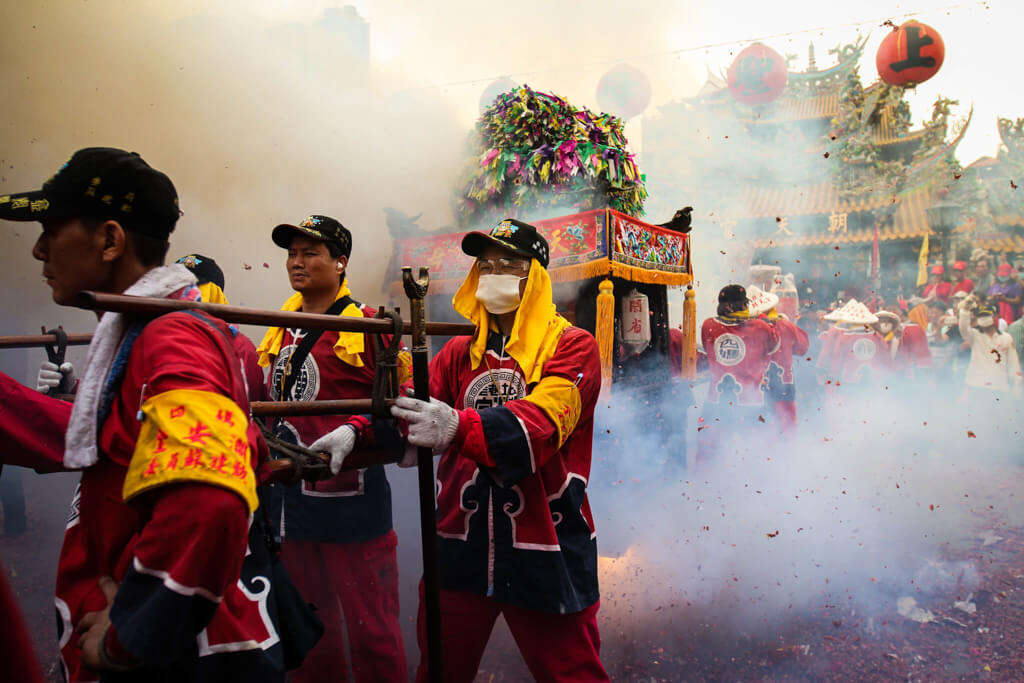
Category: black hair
<point>937,304</point>
<point>150,251</point>
<point>727,307</point>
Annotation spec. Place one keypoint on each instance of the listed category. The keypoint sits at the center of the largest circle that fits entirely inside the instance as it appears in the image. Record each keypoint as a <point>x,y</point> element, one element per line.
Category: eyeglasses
<point>502,266</point>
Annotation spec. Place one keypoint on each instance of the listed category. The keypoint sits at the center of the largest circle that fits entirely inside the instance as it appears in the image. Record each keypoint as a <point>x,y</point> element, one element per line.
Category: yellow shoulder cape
<point>537,328</point>
<point>347,348</point>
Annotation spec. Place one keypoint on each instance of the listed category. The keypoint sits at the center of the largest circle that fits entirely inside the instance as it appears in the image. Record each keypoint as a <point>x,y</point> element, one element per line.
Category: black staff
<point>416,290</point>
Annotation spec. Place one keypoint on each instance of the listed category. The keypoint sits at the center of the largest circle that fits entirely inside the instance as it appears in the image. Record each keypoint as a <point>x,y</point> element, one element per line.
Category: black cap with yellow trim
<point>104,183</point>
<point>517,236</point>
<point>323,228</point>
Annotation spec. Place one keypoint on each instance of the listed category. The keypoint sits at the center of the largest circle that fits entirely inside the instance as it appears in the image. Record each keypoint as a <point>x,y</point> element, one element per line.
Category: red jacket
<point>738,351</point>
<point>352,506</point>
<point>855,355</point>
<point>176,545</point>
<point>793,341</point>
<point>513,518</point>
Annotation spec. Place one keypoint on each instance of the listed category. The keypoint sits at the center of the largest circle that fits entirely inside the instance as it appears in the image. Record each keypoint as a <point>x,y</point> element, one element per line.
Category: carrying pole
<point>416,290</point>
<point>153,306</point>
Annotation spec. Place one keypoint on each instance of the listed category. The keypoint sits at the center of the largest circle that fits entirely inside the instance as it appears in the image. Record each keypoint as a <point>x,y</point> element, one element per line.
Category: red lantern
<point>909,55</point>
<point>757,75</point>
<point>624,91</point>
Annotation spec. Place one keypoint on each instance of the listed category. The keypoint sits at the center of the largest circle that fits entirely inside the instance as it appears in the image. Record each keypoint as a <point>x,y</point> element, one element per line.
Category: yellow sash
<point>347,348</point>
<point>537,329</point>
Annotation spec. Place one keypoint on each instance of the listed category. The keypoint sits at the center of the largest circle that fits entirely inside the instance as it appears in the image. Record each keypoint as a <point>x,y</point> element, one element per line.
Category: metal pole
<point>416,290</point>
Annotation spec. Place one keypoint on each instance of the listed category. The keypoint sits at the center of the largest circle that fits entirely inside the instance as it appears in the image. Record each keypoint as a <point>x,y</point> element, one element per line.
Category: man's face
<point>72,256</point>
<point>311,267</point>
<point>958,275</point>
<point>495,260</point>
<point>981,268</point>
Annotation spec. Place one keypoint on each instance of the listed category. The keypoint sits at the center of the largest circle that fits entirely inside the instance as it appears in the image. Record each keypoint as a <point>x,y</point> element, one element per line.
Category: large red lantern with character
<point>910,54</point>
<point>758,75</point>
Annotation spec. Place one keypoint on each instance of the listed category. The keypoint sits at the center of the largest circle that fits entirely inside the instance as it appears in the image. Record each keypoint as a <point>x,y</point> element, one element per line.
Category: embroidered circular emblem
<point>482,393</point>
<point>864,349</point>
<point>730,349</point>
<point>307,381</point>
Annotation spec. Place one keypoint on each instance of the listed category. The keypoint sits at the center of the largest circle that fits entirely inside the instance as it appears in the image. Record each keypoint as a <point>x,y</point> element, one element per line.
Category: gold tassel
<point>689,335</point>
<point>605,331</point>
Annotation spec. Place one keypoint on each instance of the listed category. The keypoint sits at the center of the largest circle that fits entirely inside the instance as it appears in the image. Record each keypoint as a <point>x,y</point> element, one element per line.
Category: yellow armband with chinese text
<point>560,400</point>
<point>192,436</point>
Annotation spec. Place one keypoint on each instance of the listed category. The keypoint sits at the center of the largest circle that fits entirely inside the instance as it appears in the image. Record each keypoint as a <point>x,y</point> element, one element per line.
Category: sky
<point>455,49</point>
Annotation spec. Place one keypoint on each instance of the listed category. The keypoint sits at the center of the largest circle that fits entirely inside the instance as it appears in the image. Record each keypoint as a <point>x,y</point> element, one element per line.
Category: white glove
<point>338,443</point>
<point>431,425</point>
<point>50,375</point>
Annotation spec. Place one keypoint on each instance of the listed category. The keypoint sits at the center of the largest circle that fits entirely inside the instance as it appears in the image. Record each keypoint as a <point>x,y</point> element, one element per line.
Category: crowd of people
<point>151,588</point>
<point>962,338</point>
<point>171,568</point>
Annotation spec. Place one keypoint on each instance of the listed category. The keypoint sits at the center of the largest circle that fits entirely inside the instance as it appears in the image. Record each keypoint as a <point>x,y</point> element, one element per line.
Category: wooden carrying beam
<point>151,306</point>
<point>349,406</point>
<point>26,341</point>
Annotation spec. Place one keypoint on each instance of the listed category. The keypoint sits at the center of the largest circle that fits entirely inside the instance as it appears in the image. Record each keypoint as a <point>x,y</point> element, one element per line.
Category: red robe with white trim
<point>857,355</point>
<point>175,548</point>
<point>738,351</point>
<point>513,518</point>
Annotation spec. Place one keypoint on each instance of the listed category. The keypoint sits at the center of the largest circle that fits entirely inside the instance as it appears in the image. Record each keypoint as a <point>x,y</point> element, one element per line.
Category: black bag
<point>298,624</point>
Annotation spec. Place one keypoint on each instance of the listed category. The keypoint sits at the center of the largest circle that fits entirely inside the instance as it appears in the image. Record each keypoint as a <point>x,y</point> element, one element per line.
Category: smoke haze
<point>253,113</point>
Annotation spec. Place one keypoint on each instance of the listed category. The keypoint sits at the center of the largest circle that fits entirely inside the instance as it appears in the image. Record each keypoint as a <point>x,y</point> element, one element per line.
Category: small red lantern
<point>624,91</point>
<point>758,75</point>
<point>910,54</point>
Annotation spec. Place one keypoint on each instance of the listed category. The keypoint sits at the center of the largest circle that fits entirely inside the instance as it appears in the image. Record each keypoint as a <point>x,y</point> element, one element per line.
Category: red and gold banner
<point>583,245</point>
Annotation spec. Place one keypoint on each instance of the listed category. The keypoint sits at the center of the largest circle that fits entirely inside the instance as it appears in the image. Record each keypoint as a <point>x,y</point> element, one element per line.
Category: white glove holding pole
<point>50,375</point>
<point>338,443</point>
<point>431,425</point>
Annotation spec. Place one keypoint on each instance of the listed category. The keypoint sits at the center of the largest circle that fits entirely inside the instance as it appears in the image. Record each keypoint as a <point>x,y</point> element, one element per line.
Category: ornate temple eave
<point>791,106</point>
<point>844,66</point>
<point>923,171</point>
<point>1012,142</point>
<point>909,221</point>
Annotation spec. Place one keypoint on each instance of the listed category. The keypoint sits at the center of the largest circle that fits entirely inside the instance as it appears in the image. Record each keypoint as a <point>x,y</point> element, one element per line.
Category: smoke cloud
<point>258,117</point>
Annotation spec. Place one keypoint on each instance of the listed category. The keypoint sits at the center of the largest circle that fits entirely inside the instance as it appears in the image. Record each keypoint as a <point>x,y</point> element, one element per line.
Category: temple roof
<point>796,200</point>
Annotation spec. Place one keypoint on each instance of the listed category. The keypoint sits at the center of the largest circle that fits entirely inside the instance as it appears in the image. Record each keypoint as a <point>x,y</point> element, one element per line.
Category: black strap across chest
<point>298,356</point>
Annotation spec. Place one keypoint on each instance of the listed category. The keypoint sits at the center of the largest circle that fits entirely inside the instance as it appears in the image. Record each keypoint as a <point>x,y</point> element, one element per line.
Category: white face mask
<point>985,321</point>
<point>499,293</point>
<point>885,328</point>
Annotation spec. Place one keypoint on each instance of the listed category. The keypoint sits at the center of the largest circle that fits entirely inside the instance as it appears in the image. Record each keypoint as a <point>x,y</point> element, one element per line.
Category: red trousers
<point>555,647</point>
<point>784,413</point>
<point>355,586</point>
